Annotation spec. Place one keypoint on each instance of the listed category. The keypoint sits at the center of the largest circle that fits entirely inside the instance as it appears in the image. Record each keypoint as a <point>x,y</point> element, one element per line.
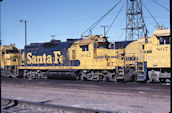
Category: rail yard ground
<point>123,97</point>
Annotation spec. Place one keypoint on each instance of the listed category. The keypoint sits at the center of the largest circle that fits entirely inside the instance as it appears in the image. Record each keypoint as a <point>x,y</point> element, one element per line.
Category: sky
<point>69,19</point>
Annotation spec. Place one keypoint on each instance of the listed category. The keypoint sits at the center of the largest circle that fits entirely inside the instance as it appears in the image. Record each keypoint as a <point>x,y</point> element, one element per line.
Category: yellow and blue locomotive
<point>88,59</point>
<point>149,57</point>
<point>10,60</point>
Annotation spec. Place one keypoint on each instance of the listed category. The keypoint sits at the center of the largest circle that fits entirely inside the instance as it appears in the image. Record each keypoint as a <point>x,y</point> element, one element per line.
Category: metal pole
<point>52,36</point>
<point>25,22</point>
<point>104,30</point>
<point>25,32</point>
<point>25,58</point>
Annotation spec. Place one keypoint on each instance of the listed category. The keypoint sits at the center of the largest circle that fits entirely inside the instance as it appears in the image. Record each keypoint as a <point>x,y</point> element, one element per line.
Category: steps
<point>141,71</point>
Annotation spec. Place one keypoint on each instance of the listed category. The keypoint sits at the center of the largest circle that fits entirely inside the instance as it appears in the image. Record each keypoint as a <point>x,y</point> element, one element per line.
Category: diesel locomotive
<point>93,58</point>
<point>86,59</point>
<point>149,58</point>
<point>10,60</point>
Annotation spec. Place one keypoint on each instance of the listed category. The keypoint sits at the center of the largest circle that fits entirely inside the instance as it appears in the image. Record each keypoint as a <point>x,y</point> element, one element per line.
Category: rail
<point>15,106</point>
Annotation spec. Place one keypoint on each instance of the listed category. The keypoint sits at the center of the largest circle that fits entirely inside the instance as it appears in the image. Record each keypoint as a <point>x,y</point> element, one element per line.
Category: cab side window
<point>9,51</point>
<point>85,48</point>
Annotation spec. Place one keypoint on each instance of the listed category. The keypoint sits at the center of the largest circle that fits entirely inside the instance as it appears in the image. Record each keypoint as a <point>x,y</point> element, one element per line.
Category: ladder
<point>141,69</point>
<point>120,72</point>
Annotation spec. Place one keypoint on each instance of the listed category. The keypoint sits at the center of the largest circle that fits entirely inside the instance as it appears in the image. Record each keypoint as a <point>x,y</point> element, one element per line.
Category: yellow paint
<point>29,61</point>
<point>56,57</point>
<point>34,60</point>
<point>49,59</point>
<point>39,60</point>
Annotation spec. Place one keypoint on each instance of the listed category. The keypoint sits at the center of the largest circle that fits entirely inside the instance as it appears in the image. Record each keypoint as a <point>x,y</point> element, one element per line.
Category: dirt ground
<point>123,97</point>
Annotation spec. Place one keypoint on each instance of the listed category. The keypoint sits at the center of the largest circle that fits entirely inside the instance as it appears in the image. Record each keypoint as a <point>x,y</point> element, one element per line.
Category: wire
<point>150,14</point>
<point>66,21</point>
<point>115,19</point>
<point>155,17</point>
<point>94,25</point>
<point>160,5</point>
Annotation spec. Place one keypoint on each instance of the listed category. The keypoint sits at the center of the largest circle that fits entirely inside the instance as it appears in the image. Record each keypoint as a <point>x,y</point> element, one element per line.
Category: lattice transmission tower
<point>135,25</point>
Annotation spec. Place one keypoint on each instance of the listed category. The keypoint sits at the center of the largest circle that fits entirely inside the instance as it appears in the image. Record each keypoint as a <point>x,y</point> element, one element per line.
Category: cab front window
<point>164,40</point>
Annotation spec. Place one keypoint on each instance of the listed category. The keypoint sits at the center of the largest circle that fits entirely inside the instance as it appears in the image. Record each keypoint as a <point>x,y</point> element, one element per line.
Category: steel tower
<point>135,25</point>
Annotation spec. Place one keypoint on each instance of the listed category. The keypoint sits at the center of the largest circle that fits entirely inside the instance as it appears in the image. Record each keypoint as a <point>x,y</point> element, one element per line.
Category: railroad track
<point>19,106</point>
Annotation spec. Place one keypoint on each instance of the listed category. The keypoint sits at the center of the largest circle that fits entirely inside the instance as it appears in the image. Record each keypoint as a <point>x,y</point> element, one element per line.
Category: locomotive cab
<point>157,55</point>
<point>161,37</point>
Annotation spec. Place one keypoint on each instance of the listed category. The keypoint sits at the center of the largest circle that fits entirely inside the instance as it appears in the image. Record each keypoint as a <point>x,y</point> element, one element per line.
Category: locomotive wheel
<point>8,75</point>
<point>3,73</point>
<point>101,77</point>
<point>43,76</point>
<point>111,77</point>
<point>77,77</point>
<point>29,75</point>
<point>38,75</point>
<point>168,80</point>
<point>107,78</point>
<point>13,75</point>
<point>83,77</point>
<point>90,76</point>
<point>32,75</point>
<point>96,77</point>
<point>25,74</point>
<point>162,80</point>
